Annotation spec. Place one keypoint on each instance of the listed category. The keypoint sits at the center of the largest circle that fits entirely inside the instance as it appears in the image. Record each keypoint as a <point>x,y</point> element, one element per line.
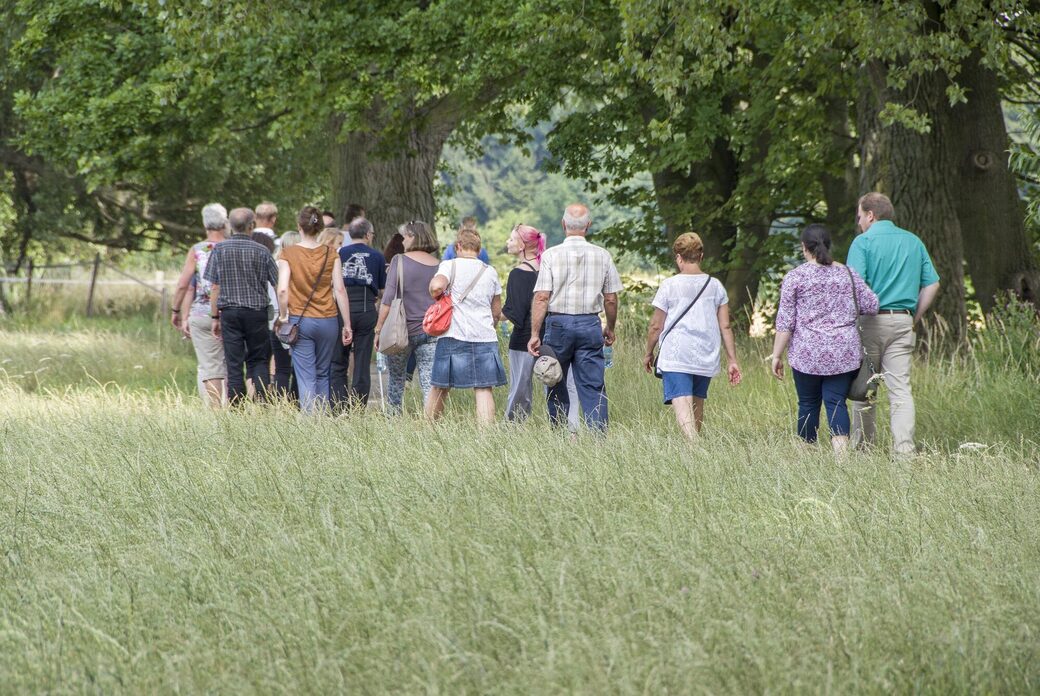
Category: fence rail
<point>31,278</point>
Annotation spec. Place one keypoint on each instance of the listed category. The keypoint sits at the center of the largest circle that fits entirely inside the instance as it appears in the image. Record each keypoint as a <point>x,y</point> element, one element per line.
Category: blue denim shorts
<point>467,365</point>
<point>678,384</point>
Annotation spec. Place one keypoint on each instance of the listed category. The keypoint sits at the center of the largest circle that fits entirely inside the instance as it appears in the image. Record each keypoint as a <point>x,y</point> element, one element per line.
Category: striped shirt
<point>242,268</point>
<point>577,274</point>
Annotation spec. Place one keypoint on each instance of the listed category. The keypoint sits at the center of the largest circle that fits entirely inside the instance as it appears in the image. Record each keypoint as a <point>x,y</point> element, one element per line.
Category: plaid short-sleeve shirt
<point>242,268</point>
<point>577,274</point>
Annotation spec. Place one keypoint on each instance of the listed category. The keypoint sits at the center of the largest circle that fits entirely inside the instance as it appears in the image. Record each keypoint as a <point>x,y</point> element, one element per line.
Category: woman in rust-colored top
<point>310,292</point>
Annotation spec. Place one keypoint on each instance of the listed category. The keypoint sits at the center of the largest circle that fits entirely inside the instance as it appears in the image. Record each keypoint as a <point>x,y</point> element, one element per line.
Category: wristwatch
<point>214,316</point>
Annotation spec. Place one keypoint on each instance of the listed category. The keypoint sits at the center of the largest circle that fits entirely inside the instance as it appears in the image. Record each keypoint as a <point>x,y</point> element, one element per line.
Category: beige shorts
<point>208,348</point>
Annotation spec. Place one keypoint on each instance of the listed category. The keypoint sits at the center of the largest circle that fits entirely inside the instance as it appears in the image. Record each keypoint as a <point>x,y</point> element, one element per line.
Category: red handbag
<point>437,319</point>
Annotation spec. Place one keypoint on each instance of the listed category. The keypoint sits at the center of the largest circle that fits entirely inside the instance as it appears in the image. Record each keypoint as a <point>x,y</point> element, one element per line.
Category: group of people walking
<point>332,297</point>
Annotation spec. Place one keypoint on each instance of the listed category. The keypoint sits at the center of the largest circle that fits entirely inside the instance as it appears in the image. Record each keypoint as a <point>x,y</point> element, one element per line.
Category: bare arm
<point>214,313</point>
<point>496,309</point>
<point>779,346</point>
<point>539,308</point>
<point>185,315</point>
<point>340,291</point>
<point>733,369</point>
<point>438,285</point>
<point>924,300</point>
<point>342,301</point>
<point>183,283</point>
<point>610,306</point>
<point>282,291</point>
<point>384,312</point>
<point>652,334</point>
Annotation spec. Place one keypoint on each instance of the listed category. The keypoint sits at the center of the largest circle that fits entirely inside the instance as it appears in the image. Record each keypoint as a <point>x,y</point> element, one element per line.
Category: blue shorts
<point>467,365</point>
<point>678,384</point>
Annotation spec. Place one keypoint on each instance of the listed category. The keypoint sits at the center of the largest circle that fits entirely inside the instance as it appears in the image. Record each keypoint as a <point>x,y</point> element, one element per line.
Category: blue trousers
<point>312,360</point>
<point>829,390</point>
<point>577,340</point>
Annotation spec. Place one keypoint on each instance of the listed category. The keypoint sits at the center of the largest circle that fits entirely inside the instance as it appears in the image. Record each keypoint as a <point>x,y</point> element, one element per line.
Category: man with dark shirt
<point>364,275</point>
<point>240,270</point>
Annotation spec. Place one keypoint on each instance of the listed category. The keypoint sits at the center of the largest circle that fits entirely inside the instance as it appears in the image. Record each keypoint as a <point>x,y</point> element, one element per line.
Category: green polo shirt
<point>894,263</point>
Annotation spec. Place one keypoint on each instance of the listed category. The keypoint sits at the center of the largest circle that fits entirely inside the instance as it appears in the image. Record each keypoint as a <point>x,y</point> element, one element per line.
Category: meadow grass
<point>152,546</point>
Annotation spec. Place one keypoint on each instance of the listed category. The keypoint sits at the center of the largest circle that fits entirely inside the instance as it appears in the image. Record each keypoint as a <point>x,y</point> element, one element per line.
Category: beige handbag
<point>393,337</point>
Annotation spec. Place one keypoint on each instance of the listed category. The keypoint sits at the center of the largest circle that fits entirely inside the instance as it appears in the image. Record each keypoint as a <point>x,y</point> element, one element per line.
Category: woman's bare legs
<point>435,402</point>
<point>485,405</point>
<point>214,392</point>
<point>689,412</point>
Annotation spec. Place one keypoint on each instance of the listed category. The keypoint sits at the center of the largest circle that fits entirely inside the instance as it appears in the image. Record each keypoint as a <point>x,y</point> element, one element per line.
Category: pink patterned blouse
<point>816,306</point>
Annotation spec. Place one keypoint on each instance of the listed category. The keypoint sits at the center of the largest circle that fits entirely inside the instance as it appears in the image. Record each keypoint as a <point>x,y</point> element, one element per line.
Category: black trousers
<point>356,390</point>
<point>246,342</point>
<point>284,381</point>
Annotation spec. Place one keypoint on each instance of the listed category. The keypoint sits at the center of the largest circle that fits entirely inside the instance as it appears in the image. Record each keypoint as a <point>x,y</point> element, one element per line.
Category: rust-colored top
<point>305,266</point>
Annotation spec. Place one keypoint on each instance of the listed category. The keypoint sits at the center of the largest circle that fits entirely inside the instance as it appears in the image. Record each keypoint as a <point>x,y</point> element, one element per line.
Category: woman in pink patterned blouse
<point>817,316</point>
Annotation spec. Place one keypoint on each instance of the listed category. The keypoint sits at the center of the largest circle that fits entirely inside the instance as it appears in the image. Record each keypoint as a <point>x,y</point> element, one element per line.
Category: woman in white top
<point>467,354</point>
<point>692,310</point>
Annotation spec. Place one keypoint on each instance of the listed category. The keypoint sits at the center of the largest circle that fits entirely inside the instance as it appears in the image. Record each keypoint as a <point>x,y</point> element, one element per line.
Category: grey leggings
<point>521,371</point>
<point>424,346</point>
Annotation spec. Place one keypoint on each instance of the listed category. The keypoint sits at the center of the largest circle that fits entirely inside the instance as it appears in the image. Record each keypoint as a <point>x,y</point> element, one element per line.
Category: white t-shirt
<point>471,319</point>
<point>693,346</point>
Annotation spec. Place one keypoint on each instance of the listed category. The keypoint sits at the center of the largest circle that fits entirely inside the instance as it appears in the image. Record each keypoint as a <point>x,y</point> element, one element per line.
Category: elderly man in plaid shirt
<point>240,270</point>
<point>576,282</point>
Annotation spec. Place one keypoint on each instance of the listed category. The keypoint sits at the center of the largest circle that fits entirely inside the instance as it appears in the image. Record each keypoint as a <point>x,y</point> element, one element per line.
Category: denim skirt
<point>467,365</point>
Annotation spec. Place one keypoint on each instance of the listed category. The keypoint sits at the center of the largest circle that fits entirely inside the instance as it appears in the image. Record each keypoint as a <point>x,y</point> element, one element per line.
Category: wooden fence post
<point>28,286</point>
<point>93,283</point>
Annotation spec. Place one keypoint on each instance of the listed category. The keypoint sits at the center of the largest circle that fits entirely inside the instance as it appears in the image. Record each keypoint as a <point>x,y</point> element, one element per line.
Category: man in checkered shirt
<point>240,270</point>
<point>576,282</point>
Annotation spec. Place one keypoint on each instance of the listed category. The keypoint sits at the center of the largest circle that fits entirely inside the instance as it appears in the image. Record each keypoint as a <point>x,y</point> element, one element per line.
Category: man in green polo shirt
<point>896,266</point>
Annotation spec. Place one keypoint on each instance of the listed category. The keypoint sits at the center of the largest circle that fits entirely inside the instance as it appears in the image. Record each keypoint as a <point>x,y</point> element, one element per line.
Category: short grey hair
<point>241,219</point>
<point>576,223</point>
<point>359,228</point>
<point>214,217</point>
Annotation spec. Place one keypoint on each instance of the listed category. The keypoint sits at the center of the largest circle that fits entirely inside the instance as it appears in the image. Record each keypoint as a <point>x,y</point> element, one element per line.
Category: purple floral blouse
<point>816,306</point>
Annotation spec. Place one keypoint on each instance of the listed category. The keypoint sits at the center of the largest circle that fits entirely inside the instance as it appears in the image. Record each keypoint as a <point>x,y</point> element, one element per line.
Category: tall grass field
<point>148,545</point>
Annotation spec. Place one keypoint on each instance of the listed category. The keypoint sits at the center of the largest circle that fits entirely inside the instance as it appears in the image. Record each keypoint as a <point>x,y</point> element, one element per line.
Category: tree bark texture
<point>992,216</point>
<point>391,176</point>
<point>918,172</point>
<point>840,186</point>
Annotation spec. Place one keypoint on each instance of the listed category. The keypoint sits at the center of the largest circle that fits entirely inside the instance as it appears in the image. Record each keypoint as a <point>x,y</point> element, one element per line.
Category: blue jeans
<point>577,340</point>
<point>312,360</point>
<point>831,391</point>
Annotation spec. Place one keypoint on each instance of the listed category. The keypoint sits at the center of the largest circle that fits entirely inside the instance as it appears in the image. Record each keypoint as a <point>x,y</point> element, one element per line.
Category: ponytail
<point>310,220</point>
<point>817,241</point>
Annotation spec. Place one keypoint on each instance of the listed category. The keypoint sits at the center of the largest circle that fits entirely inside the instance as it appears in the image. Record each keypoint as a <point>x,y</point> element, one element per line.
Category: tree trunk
<point>992,215</point>
<point>391,176</point>
<point>729,249</point>
<point>914,170</point>
<point>839,183</point>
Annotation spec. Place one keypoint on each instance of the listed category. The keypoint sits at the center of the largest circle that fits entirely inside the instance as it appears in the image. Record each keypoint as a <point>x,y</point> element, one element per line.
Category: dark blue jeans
<point>829,390</point>
<point>246,342</point>
<point>577,340</point>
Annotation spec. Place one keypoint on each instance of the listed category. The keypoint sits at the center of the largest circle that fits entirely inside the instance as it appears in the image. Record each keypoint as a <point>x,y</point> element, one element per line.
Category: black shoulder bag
<point>657,372</point>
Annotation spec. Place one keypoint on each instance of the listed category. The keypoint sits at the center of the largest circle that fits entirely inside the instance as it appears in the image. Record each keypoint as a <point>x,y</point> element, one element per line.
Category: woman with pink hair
<point>527,244</point>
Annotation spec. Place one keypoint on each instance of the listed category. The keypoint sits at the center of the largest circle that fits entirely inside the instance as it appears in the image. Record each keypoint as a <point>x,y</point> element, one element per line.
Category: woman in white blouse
<point>467,354</point>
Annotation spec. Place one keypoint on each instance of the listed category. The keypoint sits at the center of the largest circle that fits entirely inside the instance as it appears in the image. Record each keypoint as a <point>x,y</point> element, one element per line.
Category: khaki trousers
<point>888,340</point>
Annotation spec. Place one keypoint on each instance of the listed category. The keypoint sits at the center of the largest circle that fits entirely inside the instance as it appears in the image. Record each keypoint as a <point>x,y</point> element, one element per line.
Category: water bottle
<point>504,329</point>
<point>608,356</point>
<point>380,363</point>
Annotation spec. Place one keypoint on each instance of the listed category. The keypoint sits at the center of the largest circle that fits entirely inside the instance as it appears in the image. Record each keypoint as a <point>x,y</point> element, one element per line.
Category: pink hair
<point>529,235</point>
